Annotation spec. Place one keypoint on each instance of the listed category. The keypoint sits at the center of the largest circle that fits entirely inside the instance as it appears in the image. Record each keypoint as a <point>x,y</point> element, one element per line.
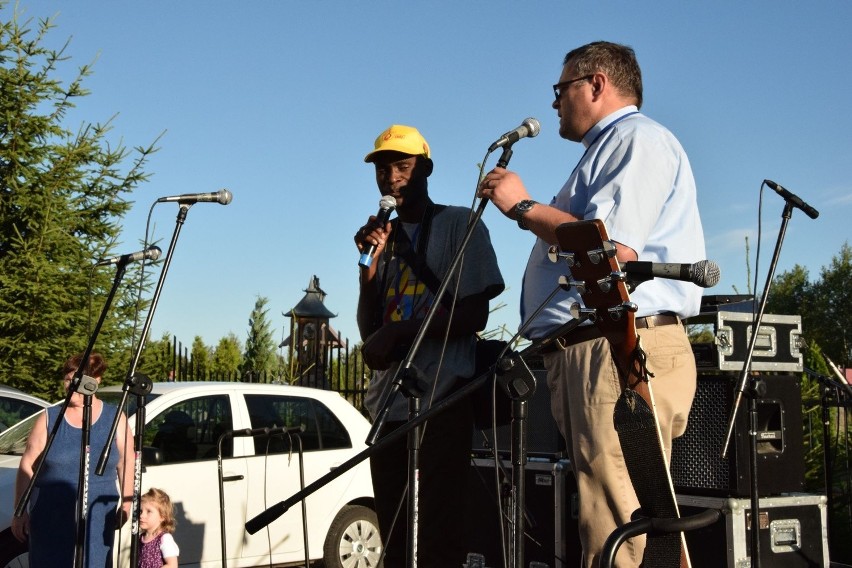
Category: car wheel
<point>13,553</point>
<point>353,539</point>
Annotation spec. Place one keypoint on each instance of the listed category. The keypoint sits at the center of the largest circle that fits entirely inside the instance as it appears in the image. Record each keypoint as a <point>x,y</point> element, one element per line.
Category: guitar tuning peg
<point>567,285</point>
<point>617,312</point>
<point>605,284</point>
<point>579,312</point>
<point>607,251</point>
<point>554,254</point>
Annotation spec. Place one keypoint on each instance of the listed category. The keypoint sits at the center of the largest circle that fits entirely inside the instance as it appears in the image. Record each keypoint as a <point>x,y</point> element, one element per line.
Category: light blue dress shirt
<point>636,178</point>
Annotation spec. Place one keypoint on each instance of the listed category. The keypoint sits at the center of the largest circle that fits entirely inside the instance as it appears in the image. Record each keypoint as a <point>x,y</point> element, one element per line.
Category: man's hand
<point>372,234</point>
<point>505,189</point>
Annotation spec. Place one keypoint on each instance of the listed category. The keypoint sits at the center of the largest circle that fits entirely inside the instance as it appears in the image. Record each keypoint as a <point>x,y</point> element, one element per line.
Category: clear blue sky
<point>279,101</point>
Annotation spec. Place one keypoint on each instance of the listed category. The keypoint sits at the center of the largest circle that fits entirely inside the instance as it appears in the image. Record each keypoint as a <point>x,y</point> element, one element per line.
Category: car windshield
<point>13,440</point>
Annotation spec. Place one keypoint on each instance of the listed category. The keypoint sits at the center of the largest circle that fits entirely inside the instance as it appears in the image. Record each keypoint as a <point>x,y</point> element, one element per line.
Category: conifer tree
<point>63,194</point>
<point>259,358</point>
<point>226,357</point>
<point>200,356</point>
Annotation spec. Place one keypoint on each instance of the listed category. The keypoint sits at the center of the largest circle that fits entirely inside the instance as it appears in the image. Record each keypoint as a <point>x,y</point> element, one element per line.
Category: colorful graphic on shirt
<point>407,297</point>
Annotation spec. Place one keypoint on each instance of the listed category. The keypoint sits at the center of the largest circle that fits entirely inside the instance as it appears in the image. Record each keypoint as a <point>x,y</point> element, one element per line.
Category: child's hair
<point>164,504</point>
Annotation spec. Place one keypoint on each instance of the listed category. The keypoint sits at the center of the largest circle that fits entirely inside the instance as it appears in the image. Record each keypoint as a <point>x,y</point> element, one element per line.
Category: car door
<point>183,438</point>
<point>275,473</point>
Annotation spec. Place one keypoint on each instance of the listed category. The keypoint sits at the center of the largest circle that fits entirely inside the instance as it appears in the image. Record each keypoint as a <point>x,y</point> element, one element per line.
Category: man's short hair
<point>617,61</point>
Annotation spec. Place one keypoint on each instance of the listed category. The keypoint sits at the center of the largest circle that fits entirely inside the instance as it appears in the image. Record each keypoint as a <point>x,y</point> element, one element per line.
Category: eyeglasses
<point>558,87</point>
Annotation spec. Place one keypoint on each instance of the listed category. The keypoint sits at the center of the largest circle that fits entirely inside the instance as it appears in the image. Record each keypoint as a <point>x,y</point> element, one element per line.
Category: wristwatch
<point>521,209</point>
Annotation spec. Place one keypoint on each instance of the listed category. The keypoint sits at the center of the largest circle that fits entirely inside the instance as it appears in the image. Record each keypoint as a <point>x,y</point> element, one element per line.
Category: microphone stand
<point>745,387</point>
<point>87,386</point>
<point>141,386</point>
<point>268,432</point>
<point>520,385</point>
<point>504,371</point>
<point>269,515</point>
<point>837,393</point>
<point>500,368</point>
<point>411,385</point>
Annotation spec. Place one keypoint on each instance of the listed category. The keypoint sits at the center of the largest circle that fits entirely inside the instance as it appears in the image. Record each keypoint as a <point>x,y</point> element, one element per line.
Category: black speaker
<point>697,467</point>
<point>543,437</point>
<point>550,513</point>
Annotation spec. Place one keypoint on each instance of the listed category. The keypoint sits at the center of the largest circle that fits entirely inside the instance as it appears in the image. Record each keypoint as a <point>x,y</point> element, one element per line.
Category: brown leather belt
<point>589,332</point>
<point>657,320</point>
<point>573,337</point>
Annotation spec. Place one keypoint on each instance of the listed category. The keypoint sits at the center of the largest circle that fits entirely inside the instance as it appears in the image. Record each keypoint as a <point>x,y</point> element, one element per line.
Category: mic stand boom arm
<point>269,515</point>
<point>140,386</point>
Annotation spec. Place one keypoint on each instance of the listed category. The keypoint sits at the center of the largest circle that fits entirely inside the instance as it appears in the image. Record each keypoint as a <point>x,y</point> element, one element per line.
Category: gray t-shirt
<point>406,296</point>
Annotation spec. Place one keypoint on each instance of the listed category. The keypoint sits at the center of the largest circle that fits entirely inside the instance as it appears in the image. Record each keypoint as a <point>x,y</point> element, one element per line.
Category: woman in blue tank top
<point>50,524</point>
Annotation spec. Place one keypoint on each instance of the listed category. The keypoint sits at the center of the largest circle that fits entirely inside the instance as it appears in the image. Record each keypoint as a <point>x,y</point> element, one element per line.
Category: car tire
<point>13,553</point>
<point>353,540</point>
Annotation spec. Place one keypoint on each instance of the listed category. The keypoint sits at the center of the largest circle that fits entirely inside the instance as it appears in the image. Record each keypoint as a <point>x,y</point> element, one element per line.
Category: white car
<point>184,422</point>
<point>15,405</point>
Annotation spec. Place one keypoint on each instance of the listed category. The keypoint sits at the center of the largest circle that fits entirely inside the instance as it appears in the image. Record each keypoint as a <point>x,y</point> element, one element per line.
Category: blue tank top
<point>52,512</point>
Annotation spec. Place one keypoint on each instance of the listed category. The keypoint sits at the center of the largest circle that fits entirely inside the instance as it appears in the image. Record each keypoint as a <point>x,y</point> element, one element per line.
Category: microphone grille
<point>533,126</point>
<point>387,202</point>
<point>225,196</point>
<point>707,273</point>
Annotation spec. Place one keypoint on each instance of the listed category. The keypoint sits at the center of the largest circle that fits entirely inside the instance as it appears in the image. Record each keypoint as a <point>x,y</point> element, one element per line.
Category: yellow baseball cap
<point>400,138</point>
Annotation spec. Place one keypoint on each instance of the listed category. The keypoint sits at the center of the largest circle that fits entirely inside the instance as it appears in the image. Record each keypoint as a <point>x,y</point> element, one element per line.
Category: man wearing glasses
<point>636,178</point>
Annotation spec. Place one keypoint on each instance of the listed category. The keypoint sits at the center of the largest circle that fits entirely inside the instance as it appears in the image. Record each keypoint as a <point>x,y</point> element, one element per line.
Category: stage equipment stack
<point>792,523</point>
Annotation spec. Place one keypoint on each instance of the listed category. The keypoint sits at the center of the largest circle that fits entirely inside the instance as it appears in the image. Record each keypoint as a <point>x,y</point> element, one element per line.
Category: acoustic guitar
<point>595,273</point>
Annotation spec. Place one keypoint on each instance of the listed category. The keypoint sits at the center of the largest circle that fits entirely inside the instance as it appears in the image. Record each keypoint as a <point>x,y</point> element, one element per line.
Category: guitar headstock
<point>585,248</point>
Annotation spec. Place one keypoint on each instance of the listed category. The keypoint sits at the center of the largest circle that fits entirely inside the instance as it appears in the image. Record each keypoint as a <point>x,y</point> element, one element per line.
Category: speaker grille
<point>696,460</point>
<point>697,466</point>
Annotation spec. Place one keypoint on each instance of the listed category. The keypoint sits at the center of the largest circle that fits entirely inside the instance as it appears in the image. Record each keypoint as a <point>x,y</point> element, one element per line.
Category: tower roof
<point>311,305</point>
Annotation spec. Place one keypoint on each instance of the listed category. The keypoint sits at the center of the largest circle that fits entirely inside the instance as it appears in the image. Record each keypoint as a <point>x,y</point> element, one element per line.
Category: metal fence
<point>346,374</point>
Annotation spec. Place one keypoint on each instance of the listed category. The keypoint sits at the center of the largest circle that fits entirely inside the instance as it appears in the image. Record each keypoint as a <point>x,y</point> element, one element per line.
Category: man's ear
<point>425,166</point>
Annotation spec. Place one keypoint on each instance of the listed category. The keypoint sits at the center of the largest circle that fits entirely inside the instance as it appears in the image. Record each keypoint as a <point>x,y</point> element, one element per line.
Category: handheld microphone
<point>793,199</point>
<point>704,273</point>
<point>150,253</point>
<point>222,196</point>
<point>529,128</point>
<point>386,205</point>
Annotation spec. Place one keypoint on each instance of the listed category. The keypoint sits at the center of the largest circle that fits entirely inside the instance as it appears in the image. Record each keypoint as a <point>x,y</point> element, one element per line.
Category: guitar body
<point>591,259</point>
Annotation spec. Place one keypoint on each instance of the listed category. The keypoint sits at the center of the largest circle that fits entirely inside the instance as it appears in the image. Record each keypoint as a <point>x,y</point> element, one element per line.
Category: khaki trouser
<point>584,387</point>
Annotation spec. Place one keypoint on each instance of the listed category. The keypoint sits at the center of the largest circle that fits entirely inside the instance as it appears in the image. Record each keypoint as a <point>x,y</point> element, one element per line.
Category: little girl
<point>157,546</point>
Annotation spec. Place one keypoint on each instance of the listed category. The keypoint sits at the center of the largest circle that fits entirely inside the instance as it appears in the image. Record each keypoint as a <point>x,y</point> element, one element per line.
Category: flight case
<point>550,516</point>
<point>792,533</point>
